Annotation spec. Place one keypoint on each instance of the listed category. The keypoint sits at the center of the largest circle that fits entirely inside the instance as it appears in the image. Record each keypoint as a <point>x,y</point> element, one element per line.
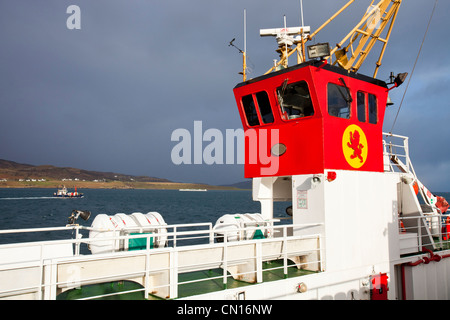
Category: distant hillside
<point>241,185</point>
<point>11,170</point>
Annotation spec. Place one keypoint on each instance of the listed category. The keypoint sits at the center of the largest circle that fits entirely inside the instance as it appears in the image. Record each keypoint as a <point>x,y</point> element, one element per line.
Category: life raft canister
<point>442,204</point>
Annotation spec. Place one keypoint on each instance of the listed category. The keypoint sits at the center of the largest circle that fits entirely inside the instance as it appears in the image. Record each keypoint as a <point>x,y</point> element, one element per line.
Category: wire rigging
<point>414,67</point>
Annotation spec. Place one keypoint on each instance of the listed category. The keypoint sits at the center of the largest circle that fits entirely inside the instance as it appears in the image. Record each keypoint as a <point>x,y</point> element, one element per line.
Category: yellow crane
<point>354,48</point>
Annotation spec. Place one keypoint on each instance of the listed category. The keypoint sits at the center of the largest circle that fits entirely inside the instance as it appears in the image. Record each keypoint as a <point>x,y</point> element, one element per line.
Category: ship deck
<point>58,269</point>
<point>190,284</point>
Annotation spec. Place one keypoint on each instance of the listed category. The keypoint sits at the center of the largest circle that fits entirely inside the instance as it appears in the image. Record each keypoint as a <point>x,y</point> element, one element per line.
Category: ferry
<point>63,193</point>
<point>360,224</point>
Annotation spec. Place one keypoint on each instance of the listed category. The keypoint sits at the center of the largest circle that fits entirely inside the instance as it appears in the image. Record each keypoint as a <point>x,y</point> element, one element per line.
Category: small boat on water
<point>63,193</point>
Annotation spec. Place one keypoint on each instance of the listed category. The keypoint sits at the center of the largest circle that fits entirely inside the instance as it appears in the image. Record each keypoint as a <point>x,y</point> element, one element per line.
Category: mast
<point>244,54</point>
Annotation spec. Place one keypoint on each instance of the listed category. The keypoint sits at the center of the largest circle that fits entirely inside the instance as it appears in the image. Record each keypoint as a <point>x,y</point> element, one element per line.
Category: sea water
<point>36,208</point>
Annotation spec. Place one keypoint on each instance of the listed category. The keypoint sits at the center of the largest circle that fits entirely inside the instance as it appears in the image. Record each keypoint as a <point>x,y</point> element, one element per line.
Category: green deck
<point>208,281</point>
<point>272,271</point>
<point>105,288</point>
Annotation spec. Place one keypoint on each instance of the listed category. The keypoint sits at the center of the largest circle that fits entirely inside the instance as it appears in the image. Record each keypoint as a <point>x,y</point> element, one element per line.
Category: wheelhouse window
<point>373,109</point>
<point>339,100</point>
<point>264,107</point>
<point>262,110</point>
<point>250,110</point>
<point>361,106</point>
<point>295,100</point>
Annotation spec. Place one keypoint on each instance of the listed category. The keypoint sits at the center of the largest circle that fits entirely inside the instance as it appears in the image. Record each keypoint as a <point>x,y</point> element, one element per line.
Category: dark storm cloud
<point>107,97</point>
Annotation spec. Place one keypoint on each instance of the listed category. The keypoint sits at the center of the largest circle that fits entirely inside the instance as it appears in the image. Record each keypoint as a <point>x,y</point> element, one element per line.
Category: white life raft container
<point>233,225</point>
<point>106,227</point>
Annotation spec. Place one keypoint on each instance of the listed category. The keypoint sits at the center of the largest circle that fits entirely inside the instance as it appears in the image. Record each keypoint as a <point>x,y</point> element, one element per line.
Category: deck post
<point>259,262</point>
<point>173,274</point>
<point>225,260</point>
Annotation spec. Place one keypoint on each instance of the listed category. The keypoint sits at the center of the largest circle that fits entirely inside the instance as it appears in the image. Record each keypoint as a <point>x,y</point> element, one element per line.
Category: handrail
<point>45,285</point>
<point>399,149</point>
<point>434,222</point>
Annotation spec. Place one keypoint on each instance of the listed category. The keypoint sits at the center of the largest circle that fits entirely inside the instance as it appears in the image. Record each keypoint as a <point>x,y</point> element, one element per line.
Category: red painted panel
<point>318,142</point>
<point>336,139</point>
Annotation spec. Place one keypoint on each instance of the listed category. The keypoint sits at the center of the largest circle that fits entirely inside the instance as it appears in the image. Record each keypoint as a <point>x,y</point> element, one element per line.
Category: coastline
<point>80,185</point>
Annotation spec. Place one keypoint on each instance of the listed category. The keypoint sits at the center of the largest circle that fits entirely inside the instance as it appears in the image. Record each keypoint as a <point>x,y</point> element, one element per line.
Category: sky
<point>108,96</point>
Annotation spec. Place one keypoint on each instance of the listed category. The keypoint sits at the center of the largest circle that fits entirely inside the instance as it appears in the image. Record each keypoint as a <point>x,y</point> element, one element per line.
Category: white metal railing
<point>431,230</point>
<point>396,152</point>
<point>48,268</point>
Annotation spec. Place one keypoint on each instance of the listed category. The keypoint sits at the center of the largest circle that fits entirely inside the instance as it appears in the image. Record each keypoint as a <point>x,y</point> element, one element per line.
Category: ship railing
<point>431,231</point>
<point>396,153</point>
<point>47,282</point>
<point>175,234</point>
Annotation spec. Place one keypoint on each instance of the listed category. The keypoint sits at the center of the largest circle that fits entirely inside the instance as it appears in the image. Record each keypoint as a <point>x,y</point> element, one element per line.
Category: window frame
<point>257,109</point>
<point>279,107</point>
<point>344,90</point>
<point>364,94</point>
<point>253,111</point>
<point>369,118</point>
<point>269,105</point>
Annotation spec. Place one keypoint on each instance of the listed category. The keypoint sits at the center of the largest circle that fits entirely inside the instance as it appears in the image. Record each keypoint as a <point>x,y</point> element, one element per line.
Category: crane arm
<point>365,34</point>
<point>353,49</point>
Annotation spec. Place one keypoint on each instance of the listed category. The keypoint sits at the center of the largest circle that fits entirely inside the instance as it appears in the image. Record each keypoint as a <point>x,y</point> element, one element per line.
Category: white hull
<point>345,247</point>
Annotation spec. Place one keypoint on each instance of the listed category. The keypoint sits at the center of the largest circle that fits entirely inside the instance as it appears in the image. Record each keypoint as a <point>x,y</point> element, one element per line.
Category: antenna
<point>286,37</point>
<point>245,30</point>
<point>301,12</point>
<point>244,54</point>
<point>286,46</point>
